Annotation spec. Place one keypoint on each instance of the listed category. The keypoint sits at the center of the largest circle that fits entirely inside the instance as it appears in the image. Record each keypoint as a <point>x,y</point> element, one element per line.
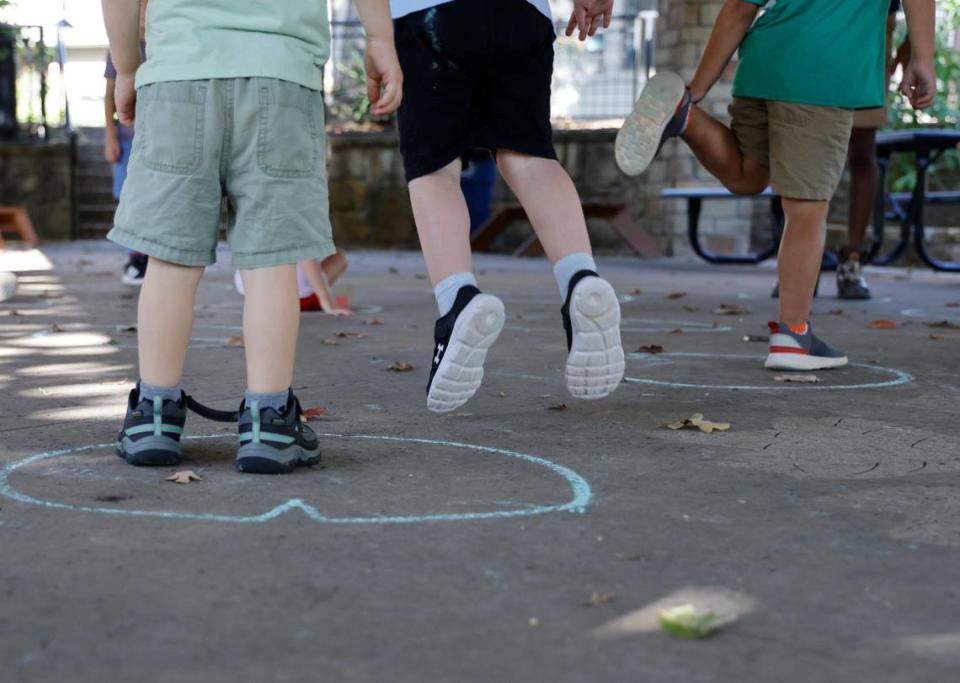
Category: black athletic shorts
<point>476,74</point>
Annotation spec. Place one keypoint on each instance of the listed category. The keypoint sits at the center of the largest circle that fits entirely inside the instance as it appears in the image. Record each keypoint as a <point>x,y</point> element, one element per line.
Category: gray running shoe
<point>792,351</point>
<point>275,442</point>
<point>660,113</point>
<point>151,431</point>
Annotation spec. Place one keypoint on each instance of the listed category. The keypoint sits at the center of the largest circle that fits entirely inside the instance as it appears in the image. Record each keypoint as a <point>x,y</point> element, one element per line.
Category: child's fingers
<point>390,98</point>
<point>582,21</point>
<point>607,17</point>
<point>572,24</point>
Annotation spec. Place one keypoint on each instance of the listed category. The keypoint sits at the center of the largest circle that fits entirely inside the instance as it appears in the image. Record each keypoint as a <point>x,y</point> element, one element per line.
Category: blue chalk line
<point>899,376</point>
<point>577,504</point>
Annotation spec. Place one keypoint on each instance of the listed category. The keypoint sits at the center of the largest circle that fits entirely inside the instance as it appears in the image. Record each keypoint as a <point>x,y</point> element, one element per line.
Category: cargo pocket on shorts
<point>289,130</point>
<point>171,126</point>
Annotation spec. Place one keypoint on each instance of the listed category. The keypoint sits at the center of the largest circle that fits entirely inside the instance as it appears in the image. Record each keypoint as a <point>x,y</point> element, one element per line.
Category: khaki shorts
<point>804,146</point>
<point>870,118</point>
<point>259,142</point>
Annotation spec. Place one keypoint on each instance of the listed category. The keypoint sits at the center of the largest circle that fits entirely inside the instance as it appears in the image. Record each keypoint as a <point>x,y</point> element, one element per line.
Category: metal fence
<point>599,78</point>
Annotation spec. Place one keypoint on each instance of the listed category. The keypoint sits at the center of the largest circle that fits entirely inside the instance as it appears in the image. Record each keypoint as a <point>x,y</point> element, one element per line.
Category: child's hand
<point>125,97</point>
<point>384,77</point>
<point>338,312</point>
<point>919,83</point>
<point>588,16</point>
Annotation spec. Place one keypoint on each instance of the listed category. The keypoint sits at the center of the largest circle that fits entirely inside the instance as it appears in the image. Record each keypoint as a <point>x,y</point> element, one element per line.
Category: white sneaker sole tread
<point>595,364</point>
<point>639,138</point>
<point>461,370</point>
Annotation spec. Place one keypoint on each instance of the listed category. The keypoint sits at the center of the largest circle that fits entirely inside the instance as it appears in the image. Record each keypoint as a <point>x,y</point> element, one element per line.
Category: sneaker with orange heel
<point>792,349</point>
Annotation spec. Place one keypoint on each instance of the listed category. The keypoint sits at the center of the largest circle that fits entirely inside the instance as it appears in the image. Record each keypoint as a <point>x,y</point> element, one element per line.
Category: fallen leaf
<point>676,295</point>
<point>352,335</point>
<point>597,599</point>
<point>329,342</point>
<point>697,421</point>
<point>756,338</point>
<point>944,325</point>
<point>651,348</point>
<point>559,406</point>
<point>401,366</point>
<point>883,325</point>
<point>235,341</point>
<point>690,309</point>
<point>799,379</point>
<point>184,477</point>
<point>953,304</point>
<point>57,328</point>
<point>373,321</point>
<point>310,414</point>
<point>130,329</point>
<point>684,621</point>
<point>937,337</point>
<point>836,311</point>
<point>732,309</point>
<point>676,330</point>
<point>637,290</point>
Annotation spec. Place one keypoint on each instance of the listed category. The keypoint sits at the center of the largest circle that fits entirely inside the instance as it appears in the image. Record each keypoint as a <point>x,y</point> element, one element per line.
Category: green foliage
<point>945,111</point>
<point>350,100</point>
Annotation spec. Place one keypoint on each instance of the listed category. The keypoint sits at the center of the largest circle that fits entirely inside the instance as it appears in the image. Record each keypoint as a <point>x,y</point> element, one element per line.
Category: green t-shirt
<point>202,39</point>
<point>824,52</point>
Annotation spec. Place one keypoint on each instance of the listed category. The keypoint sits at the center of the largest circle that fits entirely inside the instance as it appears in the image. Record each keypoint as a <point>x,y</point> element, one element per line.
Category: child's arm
<point>732,24</point>
<point>122,19</point>
<point>313,270</point>
<point>111,145</point>
<point>384,78</point>
<point>588,16</point>
<point>919,77</point>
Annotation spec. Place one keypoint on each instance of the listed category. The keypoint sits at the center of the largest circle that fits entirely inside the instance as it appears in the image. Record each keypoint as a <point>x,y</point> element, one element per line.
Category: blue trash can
<point>476,182</point>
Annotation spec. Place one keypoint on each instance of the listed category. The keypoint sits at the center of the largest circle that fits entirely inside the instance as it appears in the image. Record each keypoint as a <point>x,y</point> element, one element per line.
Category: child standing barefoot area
<point>477,75</point>
<point>805,66</point>
<point>229,104</point>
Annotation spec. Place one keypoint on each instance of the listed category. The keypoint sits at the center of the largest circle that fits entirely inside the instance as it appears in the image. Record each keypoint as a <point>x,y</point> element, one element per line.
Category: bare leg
<point>863,183</point>
<point>271,321</point>
<point>717,149</point>
<point>165,321</point>
<point>801,253</point>
<point>550,200</point>
<point>443,222</point>
<point>334,266</point>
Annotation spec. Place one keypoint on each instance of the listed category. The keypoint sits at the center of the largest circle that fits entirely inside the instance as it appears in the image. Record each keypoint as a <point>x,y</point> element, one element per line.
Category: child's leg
<point>443,222</point>
<point>863,181</point>
<point>717,148</point>
<point>801,253</point>
<point>551,201</point>
<point>165,321</point>
<point>271,321</point>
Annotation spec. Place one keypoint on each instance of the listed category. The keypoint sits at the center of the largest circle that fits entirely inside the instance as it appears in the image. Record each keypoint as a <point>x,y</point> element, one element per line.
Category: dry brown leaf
<point>676,330</point>
<point>944,325</point>
<point>235,341</point>
<point>799,379</point>
<point>184,477</point>
<point>559,406</point>
<point>884,325</point>
<point>373,321</point>
<point>937,337</point>
<point>401,366</point>
<point>697,421</point>
<point>637,290</point>
<point>310,414</point>
<point>329,342</point>
<point>651,348</point>
<point>732,309</point>
<point>676,295</point>
<point>351,335</point>
<point>836,311</point>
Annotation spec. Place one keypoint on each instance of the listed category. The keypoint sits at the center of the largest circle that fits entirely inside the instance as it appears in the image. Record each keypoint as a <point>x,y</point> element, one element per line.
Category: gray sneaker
<point>792,351</point>
<point>851,284</point>
<point>151,431</point>
<point>660,113</point>
<point>275,442</point>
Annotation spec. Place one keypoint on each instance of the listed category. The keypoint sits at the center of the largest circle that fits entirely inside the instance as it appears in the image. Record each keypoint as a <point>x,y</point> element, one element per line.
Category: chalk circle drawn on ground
<point>933,314</point>
<point>896,377</point>
<point>581,493</point>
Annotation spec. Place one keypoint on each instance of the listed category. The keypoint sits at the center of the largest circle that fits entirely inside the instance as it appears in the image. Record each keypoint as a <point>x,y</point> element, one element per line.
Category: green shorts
<point>257,142</point>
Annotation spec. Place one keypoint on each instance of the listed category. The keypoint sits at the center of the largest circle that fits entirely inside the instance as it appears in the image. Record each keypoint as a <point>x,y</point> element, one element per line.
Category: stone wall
<point>37,175</point>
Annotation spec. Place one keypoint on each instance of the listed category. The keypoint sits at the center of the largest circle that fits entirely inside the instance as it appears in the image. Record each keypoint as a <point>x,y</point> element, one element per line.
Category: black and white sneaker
<point>462,338</point>
<point>591,318</point>
<point>275,442</point>
<point>135,270</point>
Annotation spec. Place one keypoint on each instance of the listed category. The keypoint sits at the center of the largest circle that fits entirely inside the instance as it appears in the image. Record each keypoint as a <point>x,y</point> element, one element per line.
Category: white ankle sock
<point>570,265</point>
<point>446,290</point>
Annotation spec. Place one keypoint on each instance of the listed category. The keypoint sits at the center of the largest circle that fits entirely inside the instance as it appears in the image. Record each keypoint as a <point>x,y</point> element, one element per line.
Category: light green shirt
<point>822,52</point>
<point>202,39</point>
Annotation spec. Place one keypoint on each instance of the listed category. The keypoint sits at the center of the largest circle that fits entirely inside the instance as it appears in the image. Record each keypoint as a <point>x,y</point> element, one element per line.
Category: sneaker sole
<point>259,458</point>
<point>639,138</point>
<point>132,281</point>
<point>154,451</point>
<point>461,370</point>
<point>595,364</point>
<point>796,361</point>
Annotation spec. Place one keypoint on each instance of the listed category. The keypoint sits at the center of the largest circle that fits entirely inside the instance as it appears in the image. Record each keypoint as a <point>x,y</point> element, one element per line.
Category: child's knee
<point>748,185</point>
